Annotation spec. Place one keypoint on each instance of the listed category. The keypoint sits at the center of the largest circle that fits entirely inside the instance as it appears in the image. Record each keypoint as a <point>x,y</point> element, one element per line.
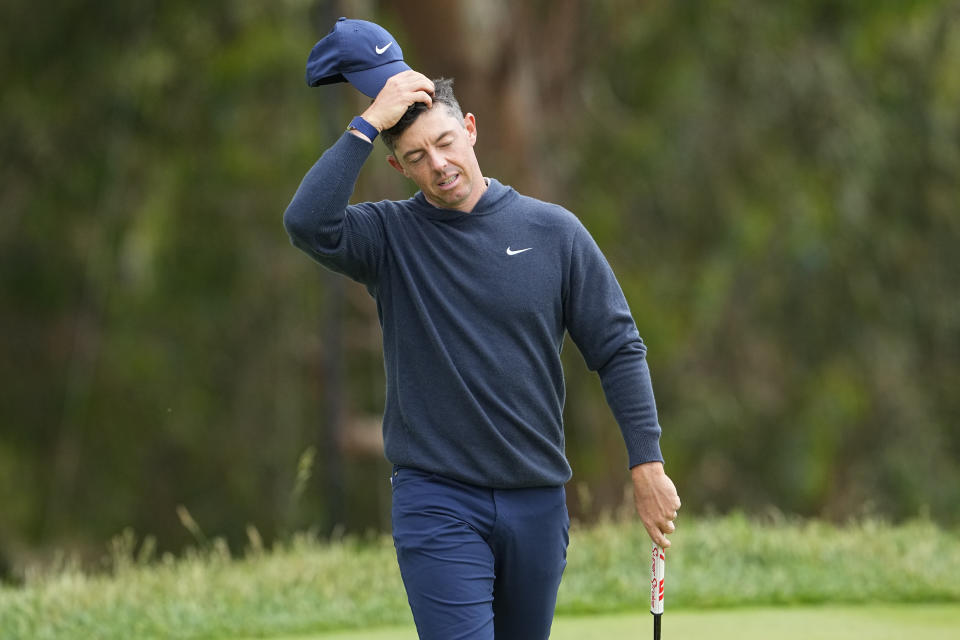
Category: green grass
<point>930,622</point>
<point>736,562</point>
<point>309,586</point>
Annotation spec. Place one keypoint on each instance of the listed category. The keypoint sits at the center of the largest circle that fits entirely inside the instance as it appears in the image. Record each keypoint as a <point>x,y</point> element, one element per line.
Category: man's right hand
<point>399,92</point>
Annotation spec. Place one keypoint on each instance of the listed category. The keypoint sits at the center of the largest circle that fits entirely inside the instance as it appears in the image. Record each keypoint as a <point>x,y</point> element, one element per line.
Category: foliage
<point>162,335</point>
<point>776,185</point>
<point>310,585</point>
<point>784,217</point>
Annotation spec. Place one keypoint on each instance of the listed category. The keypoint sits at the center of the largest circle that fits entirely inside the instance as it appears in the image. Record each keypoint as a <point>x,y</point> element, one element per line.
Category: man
<point>475,287</point>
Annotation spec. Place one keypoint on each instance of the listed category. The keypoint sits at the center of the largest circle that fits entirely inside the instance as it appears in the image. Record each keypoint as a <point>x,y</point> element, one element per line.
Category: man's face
<point>436,152</point>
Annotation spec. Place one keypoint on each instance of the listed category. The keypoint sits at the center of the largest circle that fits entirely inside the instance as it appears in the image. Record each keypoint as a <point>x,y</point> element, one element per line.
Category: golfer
<point>475,287</point>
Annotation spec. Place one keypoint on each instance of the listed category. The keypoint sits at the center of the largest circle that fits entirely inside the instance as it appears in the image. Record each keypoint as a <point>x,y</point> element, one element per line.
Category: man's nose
<point>437,160</point>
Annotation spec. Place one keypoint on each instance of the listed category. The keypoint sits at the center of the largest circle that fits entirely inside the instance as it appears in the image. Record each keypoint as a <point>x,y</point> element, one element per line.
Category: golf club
<point>657,559</point>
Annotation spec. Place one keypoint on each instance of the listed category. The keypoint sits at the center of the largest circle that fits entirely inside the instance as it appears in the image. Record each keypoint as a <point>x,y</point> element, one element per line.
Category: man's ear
<point>470,124</point>
<point>396,164</point>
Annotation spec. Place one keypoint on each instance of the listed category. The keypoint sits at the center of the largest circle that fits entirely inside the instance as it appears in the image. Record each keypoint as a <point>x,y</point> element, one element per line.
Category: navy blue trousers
<point>478,563</point>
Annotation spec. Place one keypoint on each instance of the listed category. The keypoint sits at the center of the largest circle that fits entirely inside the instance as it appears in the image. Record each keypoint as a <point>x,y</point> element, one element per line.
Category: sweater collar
<point>496,197</point>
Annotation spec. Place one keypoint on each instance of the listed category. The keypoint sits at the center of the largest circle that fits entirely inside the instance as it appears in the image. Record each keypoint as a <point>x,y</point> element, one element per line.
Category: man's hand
<point>400,91</point>
<point>656,499</point>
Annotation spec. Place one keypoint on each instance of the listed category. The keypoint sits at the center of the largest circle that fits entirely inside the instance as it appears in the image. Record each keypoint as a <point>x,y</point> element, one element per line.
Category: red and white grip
<point>656,580</point>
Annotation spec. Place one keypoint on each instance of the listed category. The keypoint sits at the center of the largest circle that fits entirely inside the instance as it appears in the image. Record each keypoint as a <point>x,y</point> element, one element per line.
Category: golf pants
<point>478,563</point>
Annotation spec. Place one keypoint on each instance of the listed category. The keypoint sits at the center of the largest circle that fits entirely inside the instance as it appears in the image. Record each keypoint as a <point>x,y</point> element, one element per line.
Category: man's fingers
<point>658,531</point>
<point>398,93</point>
<point>429,85</point>
<point>423,96</point>
<point>410,81</point>
<point>657,536</point>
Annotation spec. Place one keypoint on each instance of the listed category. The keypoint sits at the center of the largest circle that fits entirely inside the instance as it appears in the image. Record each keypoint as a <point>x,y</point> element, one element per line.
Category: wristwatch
<point>363,127</point>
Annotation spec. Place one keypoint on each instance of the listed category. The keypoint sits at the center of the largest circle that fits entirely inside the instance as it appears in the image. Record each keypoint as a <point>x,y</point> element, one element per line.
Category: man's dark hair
<point>442,94</point>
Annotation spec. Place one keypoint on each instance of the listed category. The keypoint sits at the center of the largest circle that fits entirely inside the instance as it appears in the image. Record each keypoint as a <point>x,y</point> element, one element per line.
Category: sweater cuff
<point>646,450</point>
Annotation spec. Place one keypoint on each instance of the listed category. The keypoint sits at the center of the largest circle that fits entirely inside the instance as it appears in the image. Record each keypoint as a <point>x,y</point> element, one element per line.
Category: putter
<point>657,559</point>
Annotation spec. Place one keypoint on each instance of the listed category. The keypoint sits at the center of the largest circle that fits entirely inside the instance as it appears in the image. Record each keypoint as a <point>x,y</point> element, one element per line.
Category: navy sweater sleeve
<point>346,239</point>
<point>599,321</point>
<point>626,383</point>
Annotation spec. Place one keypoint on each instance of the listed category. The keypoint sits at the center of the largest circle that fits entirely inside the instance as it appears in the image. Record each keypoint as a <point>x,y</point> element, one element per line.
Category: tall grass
<point>735,561</point>
<point>308,585</point>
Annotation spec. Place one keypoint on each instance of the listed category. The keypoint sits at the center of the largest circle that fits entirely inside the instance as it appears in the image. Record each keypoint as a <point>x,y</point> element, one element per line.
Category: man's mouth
<point>448,181</point>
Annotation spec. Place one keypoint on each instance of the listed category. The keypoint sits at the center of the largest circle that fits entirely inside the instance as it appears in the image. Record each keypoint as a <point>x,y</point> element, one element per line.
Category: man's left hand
<point>656,499</point>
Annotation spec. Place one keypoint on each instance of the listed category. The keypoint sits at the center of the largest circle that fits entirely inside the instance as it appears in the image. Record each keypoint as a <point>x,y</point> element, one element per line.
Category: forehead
<point>428,127</point>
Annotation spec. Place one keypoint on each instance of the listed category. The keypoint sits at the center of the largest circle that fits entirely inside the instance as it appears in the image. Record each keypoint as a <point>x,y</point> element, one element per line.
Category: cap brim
<point>371,81</point>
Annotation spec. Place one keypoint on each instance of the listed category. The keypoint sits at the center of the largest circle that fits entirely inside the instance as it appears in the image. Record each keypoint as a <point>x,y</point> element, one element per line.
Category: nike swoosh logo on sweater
<point>381,50</point>
<point>513,253</point>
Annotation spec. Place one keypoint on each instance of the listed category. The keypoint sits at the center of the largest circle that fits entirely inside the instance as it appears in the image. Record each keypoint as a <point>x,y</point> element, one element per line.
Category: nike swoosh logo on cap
<point>380,50</point>
<point>511,252</point>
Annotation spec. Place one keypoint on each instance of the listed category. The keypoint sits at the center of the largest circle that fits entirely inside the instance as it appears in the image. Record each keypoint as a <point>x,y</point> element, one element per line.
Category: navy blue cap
<point>355,51</point>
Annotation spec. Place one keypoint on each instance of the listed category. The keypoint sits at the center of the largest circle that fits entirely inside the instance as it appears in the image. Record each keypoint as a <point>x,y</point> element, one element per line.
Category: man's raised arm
<point>318,220</point>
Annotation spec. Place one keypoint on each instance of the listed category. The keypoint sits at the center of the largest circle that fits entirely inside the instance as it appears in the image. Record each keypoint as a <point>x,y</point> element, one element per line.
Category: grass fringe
<point>309,585</point>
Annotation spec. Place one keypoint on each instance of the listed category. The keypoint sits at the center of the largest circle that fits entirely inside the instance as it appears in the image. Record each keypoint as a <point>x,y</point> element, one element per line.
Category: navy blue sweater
<point>473,308</point>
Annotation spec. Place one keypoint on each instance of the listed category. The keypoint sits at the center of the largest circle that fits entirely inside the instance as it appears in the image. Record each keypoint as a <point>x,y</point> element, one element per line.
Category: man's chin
<point>449,200</point>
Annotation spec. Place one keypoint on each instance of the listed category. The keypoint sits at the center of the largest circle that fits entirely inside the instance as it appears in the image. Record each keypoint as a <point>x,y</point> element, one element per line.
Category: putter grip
<point>656,582</point>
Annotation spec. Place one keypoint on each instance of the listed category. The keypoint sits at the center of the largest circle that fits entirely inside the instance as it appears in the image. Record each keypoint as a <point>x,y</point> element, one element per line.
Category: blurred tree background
<point>777,186</point>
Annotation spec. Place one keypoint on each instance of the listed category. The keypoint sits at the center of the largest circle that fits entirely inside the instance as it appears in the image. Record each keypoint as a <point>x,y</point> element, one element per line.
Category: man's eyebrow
<point>436,141</point>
